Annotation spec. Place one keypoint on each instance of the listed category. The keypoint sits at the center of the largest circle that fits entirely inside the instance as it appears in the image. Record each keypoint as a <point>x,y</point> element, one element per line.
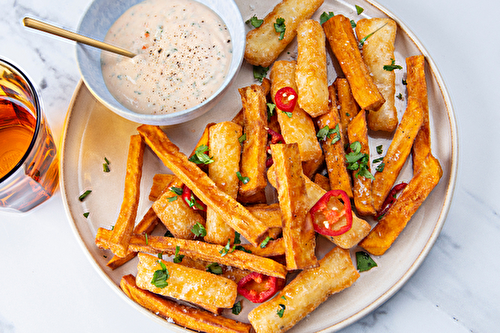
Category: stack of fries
<point>232,179</point>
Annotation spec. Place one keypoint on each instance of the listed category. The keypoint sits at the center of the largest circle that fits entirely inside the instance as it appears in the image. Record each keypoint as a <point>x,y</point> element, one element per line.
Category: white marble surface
<point>48,285</point>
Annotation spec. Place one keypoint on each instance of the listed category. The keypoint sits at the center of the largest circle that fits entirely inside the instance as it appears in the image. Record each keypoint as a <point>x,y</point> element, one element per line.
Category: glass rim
<point>39,115</point>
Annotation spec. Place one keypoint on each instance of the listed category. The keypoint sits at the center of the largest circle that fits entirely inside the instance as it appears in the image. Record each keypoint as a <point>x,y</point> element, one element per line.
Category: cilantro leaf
<point>265,241</point>
<point>359,9</point>
<point>214,268</point>
<point>86,215</point>
<point>236,308</point>
<point>270,109</point>
<point>281,310</point>
<point>325,17</point>
<point>199,230</point>
<point>176,190</point>
<point>242,138</point>
<point>364,262</point>
<point>380,167</point>
<point>353,24</point>
<point>242,179</point>
<point>254,21</point>
<point>160,276</point>
<point>380,149</point>
<point>280,27</point>
<point>392,66</point>
<point>326,132</point>
<point>84,195</point>
<point>259,72</point>
<point>178,257</point>
<point>363,40</point>
<point>200,156</point>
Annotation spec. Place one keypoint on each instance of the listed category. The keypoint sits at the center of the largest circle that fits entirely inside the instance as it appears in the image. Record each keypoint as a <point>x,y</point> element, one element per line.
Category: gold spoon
<point>45,27</point>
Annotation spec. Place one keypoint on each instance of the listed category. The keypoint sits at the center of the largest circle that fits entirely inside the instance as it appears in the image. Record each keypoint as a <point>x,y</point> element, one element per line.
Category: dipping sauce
<point>183,54</point>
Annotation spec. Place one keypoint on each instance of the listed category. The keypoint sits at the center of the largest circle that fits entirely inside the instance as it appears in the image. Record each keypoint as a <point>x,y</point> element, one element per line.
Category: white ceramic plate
<point>93,132</point>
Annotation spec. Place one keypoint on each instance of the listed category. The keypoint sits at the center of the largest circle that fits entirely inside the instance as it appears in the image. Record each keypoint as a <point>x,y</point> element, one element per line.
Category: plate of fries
<point>177,219</point>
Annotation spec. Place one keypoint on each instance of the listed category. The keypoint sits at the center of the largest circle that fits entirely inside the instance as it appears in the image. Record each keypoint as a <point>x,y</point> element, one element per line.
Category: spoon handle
<point>45,27</point>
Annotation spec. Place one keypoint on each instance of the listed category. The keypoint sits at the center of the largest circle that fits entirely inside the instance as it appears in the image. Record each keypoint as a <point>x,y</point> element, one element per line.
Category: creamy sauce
<point>183,53</point>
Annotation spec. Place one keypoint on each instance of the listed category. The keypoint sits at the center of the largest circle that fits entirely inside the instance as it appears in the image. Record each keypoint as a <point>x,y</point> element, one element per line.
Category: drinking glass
<point>29,167</point>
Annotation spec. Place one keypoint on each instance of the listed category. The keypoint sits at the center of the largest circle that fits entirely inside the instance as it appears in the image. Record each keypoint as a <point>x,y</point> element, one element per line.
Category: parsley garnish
<point>237,239</point>
<point>178,257</point>
<point>105,165</point>
<point>200,157</point>
<point>325,17</point>
<point>380,167</point>
<point>265,241</point>
<point>380,149</point>
<point>359,10</point>
<point>289,114</point>
<point>403,81</point>
<point>236,308</point>
<point>169,234</point>
<point>399,96</point>
<point>281,310</point>
<point>176,190</point>
<point>171,199</point>
<point>199,230</point>
<point>363,40</point>
<point>358,161</point>
<point>364,262</point>
<point>160,276</point>
<point>326,132</point>
<point>254,21</point>
<point>84,195</point>
<point>242,138</point>
<point>392,66</point>
<point>280,27</point>
<point>214,268</point>
<point>259,72</point>
<point>283,297</point>
<point>380,159</point>
<point>244,180</point>
<point>353,24</point>
<point>147,240</point>
<point>270,109</point>
<point>86,214</point>
<point>226,249</point>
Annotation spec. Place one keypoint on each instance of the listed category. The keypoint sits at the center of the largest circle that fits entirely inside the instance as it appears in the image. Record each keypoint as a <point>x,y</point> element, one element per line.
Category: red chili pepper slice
<point>329,217</point>
<point>190,199</point>
<point>258,288</point>
<point>285,99</point>
<point>389,201</point>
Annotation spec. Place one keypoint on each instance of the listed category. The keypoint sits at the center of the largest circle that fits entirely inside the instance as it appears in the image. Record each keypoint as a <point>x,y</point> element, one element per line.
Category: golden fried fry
<point>240,118</point>
<point>344,45</point>
<point>298,232</point>
<point>257,198</point>
<point>126,220</point>
<point>204,289</point>
<point>322,181</point>
<point>348,108</point>
<point>310,75</point>
<point>378,50</point>
<point>305,293</point>
<point>182,315</point>
<point>299,128</point>
<point>362,186</point>
<point>312,166</point>
<point>160,182</point>
<point>270,215</point>
<point>203,187</point>
<point>273,248</point>
<point>175,214</point>
<point>263,44</point>
<point>398,152</point>
<point>394,221</point>
<point>253,157</point>
<point>417,88</point>
<point>333,147</point>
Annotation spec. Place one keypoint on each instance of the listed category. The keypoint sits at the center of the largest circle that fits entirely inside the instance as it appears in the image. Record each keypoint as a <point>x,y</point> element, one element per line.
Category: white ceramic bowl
<point>96,22</point>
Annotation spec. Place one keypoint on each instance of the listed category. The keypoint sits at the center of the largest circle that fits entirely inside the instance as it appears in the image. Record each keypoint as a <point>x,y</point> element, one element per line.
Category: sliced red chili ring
<point>330,220</point>
<point>190,199</point>
<point>285,99</point>
<point>258,288</point>
<point>390,199</point>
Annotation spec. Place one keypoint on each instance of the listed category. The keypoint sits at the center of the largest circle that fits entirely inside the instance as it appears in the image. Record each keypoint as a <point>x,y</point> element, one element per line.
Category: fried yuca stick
<point>362,186</point>
<point>272,249</point>
<point>322,181</point>
<point>398,152</point>
<point>226,151</point>
<point>128,212</point>
<point>199,250</point>
<point>182,315</point>
<point>253,157</point>
<point>305,293</point>
<point>312,166</point>
<point>310,75</point>
<point>417,88</point>
<point>344,45</point>
<point>233,213</point>
<point>263,45</point>
<point>147,224</point>
<point>383,235</point>
<point>175,214</point>
<point>298,232</point>
<point>231,273</point>
<point>204,288</point>
<point>333,147</point>
<point>239,118</point>
<point>299,128</point>
<point>348,106</point>
<point>160,182</point>
<point>378,50</point>
<point>203,141</point>
<point>270,215</point>
<point>360,228</point>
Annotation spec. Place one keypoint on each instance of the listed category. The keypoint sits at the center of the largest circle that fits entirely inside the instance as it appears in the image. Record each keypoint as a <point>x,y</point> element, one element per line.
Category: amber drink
<point>29,168</point>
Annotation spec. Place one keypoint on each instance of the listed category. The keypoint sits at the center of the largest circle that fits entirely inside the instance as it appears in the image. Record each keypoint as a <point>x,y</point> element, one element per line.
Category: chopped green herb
<point>377,160</point>
<point>380,149</point>
<point>199,230</point>
<point>270,109</point>
<point>178,257</point>
<point>347,114</point>
<point>358,161</point>
<point>281,310</point>
<point>237,239</point>
<point>353,24</point>
<point>105,167</point>
<point>280,27</point>
<point>160,276</point>
<point>254,21</point>
<point>172,199</point>
<point>283,297</point>
<point>86,214</point>
<point>326,132</point>
<point>169,234</point>
<point>147,241</point>
<point>241,248</point>
<point>399,96</point>
<point>325,17</point>
<point>392,66</point>
<point>200,156</point>
<point>176,190</point>
<point>364,262</point>
<point>160,255</point>
<point>359,10</point>
<point>265,241</point>
<point>106,160</point>
<point>242,179</point>
<point>236,308</point>
<point>380,167</point>
<point>214,268</point>
<point>404,82</point>
<point>242,138</point>
<point>226,249</point>
<point>84,195</point>
<point>289,114</point>
<point>363,40</point>
<point>259,72</point>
